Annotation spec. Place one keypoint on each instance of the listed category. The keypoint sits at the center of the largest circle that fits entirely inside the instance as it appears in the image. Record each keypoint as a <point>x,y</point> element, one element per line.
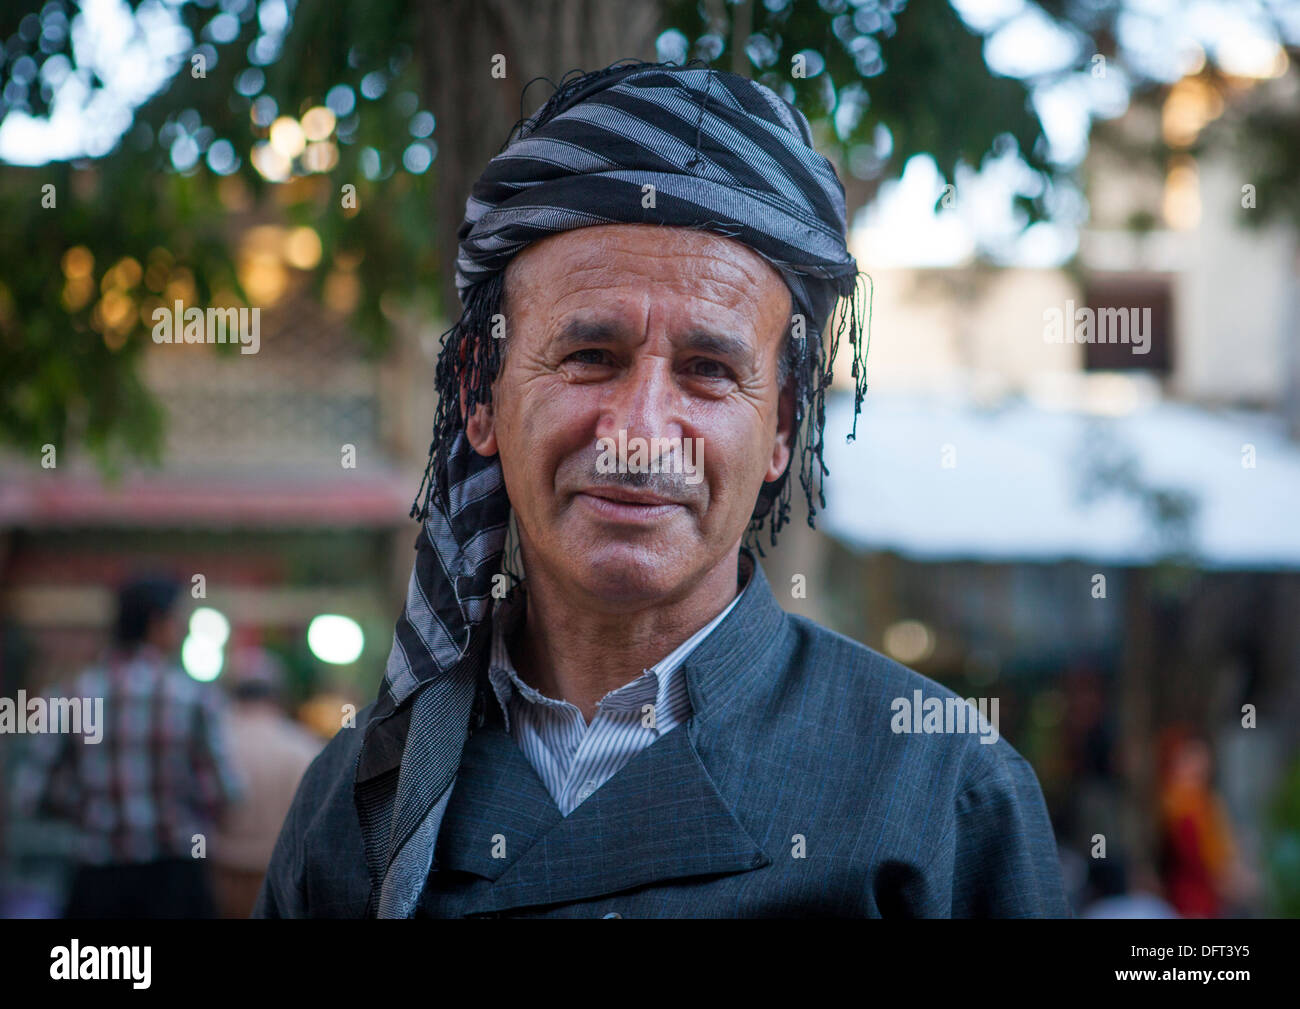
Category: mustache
<point>676,480</point>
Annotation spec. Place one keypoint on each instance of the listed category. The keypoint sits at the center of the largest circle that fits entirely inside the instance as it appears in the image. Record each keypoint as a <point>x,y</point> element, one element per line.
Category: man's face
<point>630,333</point>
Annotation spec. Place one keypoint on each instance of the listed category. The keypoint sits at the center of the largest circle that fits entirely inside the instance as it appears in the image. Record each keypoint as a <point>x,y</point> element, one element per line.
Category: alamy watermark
<point>81,715</point>
<point>1104,325</point>
<point>217,325</point>
<point>652,455</point>
<point>75,962</point>
<point>945,716</point>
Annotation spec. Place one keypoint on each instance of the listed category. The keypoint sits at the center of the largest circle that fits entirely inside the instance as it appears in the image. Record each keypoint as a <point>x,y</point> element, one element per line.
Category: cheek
<point>737,447</point>
<point>541,424</point>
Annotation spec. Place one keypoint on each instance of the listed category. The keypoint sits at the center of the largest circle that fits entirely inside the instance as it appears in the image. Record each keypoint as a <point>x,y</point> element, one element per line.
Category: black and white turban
<point>724,154</point>
<point>721,152</point>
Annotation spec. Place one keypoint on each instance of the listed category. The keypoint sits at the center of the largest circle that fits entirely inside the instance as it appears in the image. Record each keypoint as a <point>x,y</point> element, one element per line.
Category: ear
<point>784,437</point>
<point>480,427</point>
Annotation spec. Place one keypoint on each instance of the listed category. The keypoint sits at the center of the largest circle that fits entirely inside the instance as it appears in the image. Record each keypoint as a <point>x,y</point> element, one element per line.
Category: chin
<point>620,571</point>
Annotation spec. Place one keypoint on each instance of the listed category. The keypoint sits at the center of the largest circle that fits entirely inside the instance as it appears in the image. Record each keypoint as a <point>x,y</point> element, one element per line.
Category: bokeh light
<point>335,639</point>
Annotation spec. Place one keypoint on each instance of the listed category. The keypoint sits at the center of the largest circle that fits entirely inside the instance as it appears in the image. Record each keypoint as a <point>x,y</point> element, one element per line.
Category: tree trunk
<point>475,111</point>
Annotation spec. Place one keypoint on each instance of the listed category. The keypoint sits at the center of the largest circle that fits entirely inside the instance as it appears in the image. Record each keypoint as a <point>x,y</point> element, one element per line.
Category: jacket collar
<point>655,686</point>
<point>738,655</point>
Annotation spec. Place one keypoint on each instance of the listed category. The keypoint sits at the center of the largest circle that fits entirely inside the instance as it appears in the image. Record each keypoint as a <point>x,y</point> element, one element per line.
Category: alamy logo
<point>217,325</point>
<point>84,715</point>
<point>945,715</point>
<point>75,962</point>
<point>652,455</point>
<point>1106,325</point>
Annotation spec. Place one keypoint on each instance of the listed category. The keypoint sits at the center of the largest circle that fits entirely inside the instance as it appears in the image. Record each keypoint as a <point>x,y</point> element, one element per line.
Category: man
<point>638,729</point>
<point>270,752</point>
<point>159,776</point>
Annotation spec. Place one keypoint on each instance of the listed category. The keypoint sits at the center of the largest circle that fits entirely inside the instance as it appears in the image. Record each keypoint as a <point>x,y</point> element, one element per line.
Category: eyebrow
<point>723,345</point>
<point>580,332</point>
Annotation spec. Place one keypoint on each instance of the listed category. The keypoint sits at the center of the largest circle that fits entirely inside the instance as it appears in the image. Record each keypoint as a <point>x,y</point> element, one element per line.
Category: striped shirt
<point>572,758</point>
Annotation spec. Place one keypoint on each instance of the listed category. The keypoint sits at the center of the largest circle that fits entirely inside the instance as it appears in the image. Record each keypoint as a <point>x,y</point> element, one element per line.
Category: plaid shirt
<point>159,776</point>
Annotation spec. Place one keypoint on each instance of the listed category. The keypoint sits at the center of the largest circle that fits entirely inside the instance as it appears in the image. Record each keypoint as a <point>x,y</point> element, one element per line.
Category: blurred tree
<point>332,144</point>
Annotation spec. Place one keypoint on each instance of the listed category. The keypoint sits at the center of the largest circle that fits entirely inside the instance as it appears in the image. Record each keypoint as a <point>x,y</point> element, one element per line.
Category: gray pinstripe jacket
<point>786,794</point>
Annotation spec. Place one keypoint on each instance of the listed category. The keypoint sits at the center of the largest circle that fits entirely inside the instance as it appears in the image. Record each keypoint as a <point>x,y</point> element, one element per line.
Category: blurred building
<point>283,494</point>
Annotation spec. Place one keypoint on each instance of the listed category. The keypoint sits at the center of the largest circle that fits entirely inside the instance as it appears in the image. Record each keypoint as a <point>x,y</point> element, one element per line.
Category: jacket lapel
<point>660,817</point>
<point>497,795</point>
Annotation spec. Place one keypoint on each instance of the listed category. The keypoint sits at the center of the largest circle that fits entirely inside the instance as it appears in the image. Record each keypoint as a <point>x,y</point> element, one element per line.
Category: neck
<point>568,650</point>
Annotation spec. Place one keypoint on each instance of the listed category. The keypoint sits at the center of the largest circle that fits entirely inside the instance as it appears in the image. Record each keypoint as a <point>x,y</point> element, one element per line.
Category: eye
<point>705,367</point>
<point>589,355</point>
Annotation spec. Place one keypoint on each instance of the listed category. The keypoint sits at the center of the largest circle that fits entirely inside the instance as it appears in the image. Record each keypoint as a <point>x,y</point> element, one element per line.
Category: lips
<point>627,507</point>
<point>621,495</point>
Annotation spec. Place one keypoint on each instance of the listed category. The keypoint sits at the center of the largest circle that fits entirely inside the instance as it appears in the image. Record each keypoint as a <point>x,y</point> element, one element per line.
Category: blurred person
<point>1113,896</point>
<point>1074,869</point>
<point>270,753</point>
<point>156,781</point>
<point>1198,860</point>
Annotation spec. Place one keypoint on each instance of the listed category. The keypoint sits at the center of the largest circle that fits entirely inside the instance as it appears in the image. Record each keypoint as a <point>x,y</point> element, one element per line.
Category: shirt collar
<point>652,686</point>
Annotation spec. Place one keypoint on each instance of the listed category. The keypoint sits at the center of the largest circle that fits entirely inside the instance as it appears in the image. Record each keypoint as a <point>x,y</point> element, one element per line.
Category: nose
<point>644,401</point>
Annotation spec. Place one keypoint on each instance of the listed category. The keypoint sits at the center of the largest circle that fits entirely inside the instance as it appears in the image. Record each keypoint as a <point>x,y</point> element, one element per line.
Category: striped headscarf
<point>716,150</point>
<point>635,143</point>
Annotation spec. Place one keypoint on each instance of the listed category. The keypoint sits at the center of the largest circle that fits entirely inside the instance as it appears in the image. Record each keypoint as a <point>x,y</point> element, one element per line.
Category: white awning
<point>936,478</point>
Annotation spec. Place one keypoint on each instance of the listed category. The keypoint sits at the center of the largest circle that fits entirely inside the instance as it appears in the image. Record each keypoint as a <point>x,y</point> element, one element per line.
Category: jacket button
<point>612,914</point>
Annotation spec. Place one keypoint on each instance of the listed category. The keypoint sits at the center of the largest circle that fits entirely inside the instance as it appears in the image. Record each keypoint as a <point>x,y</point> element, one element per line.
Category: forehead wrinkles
<point>726,274</point>
<point>617,291</point>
